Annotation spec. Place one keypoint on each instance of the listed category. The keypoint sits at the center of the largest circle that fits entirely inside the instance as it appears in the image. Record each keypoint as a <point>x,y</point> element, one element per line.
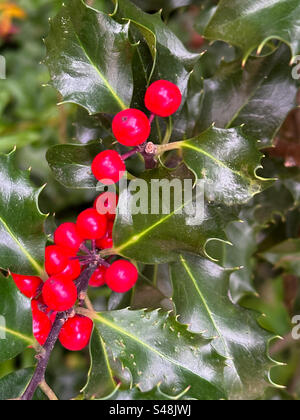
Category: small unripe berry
<point>131,127</point>
<point>58,294</point>
<point>76,333</point>
<point>163,98</point>
<point>28,285</point>
<point>107,241</point>
<point>66,235</point>
<point>41,324</point>
<point>108,167</point>
<point>72,271</point>
<point>121,276</point>
<point>91,225</point>
<point>106,203</point>
<point>98,278</point>
<point>56,259</point>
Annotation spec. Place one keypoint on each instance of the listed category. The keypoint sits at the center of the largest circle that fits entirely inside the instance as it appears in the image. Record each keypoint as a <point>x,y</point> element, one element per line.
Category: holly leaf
<point>236,96</point>
<point>285,255</point>
<point>101,381</point>
<point>155,349</point>
<point>155,394</point>
<point>22,239</point>
<point>13,385</point>
<point>201,300</point>
<point>15,320</point>
<point>227,161</point>
<point>99,79</point>
<point>252,24</point>
<point>153,232</point>
<point>71,164</point>
<point>171,60</point>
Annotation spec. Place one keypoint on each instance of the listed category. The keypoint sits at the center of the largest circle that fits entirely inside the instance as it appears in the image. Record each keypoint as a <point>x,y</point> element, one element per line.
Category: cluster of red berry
<point>65,260</point>
<point>131,127</point>
<point>64,263</point>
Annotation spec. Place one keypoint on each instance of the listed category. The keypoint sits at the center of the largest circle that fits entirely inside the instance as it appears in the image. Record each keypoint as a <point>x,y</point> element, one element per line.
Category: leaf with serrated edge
<point>15,320</point>
<point>100,382</point>
<point>201,300</point>
<point>285,255</point>
<point>227,160</point>
<point>259,96</point>
<point>22,239</point>
<point>99,79</point>
<point>252,24</point>
<point>158,238</point>
<point>157,349</point>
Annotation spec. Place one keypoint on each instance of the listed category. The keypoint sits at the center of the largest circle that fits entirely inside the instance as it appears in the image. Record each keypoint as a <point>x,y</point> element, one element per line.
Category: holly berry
<point>121,276</point>
<point>28,285</point>
<point>98,278</point>
<point>163,98</point>
<point>76,333</point>
<point>66,235</point>
<point>72,271</point>
<point>56,259</point>
<point>91,224</point>
<point>106,204</point>
<point>131,127</point>
<point>107,241</point>
<point>58,294</point>
<point>41,324</point>
<point>108,167</point>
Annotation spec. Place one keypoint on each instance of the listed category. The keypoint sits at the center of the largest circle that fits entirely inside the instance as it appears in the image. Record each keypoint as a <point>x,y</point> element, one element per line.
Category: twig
<point>38,378</point>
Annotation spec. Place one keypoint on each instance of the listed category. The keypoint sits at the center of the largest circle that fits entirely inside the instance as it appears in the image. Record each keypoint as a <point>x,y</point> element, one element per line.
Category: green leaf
<point>100,382</point>
<point>155,394</point>
<point>99,79</point>
<point>22,240</point>
<point>227,161</point>
<point>285,255</point>
<point>251,24</point>
<point>13,385</point>
<point>201,300</point>
<point>157,349</point>
<point>171,60</point>
<point>71,164</point>
<point>15,320</point>
<point>159,235</point>
<point>236,96</point>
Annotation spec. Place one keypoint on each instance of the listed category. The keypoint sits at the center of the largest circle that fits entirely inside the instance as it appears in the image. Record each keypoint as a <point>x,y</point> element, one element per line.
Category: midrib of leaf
<point>207,308</point>
<point>142,343</point>
<point>140,235</point>
<point>107,84</point>
<point>17,334</point>
<point>32,261</point>
<point>217,161</point>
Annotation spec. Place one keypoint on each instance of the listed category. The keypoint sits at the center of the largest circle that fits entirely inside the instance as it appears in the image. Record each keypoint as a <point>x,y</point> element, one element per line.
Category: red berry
<point>28,285</point>
<point>56,259</point>
<point>76,333</point>
<point>107,203</point>
<point>163,98</point>
<point>108,167</point>
<point>107,241</point>
<point>121,276</point>
<point>66,235</point>
<point>41,324</point>
<point>72,271</point>
<point>91,224</point>
<point>98,278</point>
<point>58,294</point>
<point>131,127</point>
